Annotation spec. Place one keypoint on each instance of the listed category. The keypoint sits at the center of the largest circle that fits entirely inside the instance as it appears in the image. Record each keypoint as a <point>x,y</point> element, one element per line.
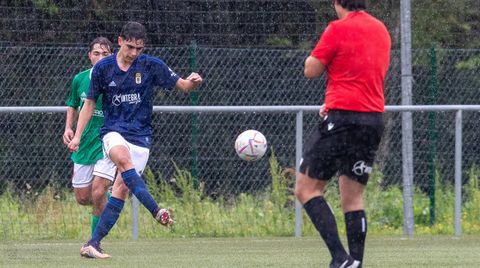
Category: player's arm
<point>73,102</point>
<point>68,133</point>
<point>314,68</point>
<point>322,54</point>
<point>190,83</point>
<point>83,118</point>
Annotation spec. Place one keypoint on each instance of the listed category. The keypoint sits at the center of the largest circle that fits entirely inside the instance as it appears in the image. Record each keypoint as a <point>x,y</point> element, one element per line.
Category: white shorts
<point>83,174</point>
<point>105,168</point>
<point>138,154</point>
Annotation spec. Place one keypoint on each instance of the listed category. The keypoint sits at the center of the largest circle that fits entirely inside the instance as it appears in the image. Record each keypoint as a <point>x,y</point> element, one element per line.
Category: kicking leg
<point>121,156</point>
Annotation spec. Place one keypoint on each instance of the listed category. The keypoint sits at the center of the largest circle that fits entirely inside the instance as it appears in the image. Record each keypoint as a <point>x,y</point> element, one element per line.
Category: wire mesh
<point>40,76</point>
<point>33,157</point>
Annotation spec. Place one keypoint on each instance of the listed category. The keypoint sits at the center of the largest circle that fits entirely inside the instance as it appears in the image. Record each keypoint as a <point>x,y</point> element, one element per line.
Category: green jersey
<point>90,149</point>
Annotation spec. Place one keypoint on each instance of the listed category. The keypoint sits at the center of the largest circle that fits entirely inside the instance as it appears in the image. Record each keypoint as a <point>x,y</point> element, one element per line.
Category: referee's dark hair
<point>353,5</point>
<point>133,30</point>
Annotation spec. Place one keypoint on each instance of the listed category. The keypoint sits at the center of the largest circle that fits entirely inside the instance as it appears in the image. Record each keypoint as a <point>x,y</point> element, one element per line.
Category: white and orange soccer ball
<point>251,145</point>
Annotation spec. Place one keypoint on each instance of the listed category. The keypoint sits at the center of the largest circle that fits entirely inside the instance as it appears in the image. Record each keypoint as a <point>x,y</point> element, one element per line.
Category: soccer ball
<point>251,145</point>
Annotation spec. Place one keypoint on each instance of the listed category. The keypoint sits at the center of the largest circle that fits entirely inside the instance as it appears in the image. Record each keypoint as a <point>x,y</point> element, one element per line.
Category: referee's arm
<point>313,68</point>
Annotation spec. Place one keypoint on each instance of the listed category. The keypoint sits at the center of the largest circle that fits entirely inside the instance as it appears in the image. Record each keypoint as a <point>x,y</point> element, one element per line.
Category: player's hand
<point>322,111</point>
<point>68,136</point>
<point>195,78</point>
<point>73,145</point>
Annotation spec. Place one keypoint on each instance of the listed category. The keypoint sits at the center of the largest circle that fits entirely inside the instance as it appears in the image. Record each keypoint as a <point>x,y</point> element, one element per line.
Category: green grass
<point>392,251</point>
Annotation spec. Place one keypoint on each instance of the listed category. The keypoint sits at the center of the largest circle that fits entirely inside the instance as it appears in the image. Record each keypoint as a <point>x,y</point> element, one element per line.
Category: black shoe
<point>349,262</point>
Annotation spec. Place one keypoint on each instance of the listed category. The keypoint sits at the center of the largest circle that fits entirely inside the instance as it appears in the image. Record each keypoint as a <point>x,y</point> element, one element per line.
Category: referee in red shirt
<point>355,52</point>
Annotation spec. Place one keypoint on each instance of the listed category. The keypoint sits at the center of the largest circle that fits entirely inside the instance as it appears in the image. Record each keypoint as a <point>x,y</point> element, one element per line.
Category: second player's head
<point>132,41</point>
<point>99,48</point>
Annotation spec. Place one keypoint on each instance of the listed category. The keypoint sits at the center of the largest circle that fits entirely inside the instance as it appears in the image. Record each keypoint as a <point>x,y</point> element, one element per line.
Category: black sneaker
<point>349,262</point>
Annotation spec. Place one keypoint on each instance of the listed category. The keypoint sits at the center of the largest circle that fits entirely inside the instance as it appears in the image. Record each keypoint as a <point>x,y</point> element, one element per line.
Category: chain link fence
<point>32,155</point>
<point>32,151</point>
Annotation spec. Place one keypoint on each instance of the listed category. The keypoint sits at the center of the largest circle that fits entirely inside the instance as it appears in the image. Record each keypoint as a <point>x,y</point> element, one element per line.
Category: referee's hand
<point>322,111</point>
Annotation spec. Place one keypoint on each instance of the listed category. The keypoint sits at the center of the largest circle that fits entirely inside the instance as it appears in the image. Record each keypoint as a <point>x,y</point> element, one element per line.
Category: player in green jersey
<point>91,175</point>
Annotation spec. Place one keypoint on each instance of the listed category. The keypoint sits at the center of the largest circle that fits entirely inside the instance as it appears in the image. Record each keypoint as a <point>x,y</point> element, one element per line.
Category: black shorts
<point>345,143</point>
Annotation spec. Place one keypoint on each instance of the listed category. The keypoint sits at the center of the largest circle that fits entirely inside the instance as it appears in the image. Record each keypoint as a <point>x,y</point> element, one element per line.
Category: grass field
<point>434,251</point>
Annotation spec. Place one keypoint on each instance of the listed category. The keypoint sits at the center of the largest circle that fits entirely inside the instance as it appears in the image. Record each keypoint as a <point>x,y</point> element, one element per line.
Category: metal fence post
<point>407,130</point>
<point>458,173</point>
<point>194,102</point>
<point>134,218</point>
<point>298,157</point>
<point>432,117</point>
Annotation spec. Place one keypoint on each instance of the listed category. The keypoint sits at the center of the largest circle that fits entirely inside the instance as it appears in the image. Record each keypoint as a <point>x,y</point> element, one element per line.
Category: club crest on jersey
<point>138,78</point>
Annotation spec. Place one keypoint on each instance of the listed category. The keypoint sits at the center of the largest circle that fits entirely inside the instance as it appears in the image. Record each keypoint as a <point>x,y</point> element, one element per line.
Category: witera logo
<point>129,98</point>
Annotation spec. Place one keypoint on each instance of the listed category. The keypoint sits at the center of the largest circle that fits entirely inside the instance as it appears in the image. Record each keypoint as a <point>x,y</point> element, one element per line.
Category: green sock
<point>94,222</point>
<point>96,218</point>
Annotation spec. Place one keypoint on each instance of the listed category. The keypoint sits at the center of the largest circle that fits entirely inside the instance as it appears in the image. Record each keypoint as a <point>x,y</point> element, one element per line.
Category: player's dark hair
<point>103,42</point>
<point>352,5</point>
<point>133,31</point>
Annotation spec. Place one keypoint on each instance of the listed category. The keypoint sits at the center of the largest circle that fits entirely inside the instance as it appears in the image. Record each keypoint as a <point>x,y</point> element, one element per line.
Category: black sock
<point>322,217</point>
<point>356,225</point>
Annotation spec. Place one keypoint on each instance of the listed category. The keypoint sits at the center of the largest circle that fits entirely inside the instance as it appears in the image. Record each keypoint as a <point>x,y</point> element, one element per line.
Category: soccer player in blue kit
<point>126,80</point>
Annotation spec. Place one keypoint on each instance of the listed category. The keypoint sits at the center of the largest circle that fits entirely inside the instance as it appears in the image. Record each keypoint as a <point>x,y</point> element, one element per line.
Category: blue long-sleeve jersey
<point>128,96</point>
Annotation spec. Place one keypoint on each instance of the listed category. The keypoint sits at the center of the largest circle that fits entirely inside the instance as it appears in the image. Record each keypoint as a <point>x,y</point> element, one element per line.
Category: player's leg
<point>104,173</point>
<point>83,195</point>
<point>99,198</point>
<point>140,157</point>
<point>318,165</point>
<point>108,218</point>
<point>120,155</point>
<point>119,152</point>
<point>364,141</point>
<point>309,192</point>
<point>82,183</point>
<point>131,161</point>
<point>83,177</point>
<point>352,193</point>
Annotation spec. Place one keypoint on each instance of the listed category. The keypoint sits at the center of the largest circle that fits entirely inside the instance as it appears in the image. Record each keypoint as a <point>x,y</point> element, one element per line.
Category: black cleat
<point>349,262</point>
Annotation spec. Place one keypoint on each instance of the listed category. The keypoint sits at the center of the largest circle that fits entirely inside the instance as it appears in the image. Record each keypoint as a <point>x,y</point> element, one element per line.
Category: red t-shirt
<point>356,52</point>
